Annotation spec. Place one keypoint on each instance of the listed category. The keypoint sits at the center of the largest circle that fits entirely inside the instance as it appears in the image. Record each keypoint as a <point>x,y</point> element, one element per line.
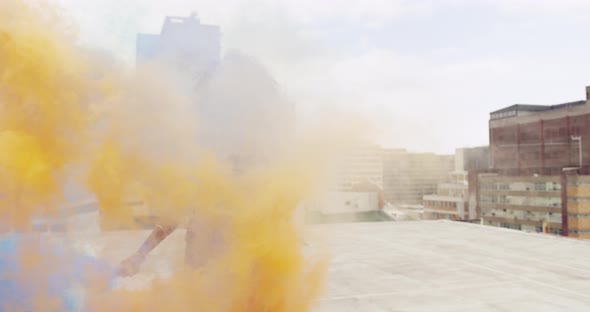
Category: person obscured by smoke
<point>243,118</point>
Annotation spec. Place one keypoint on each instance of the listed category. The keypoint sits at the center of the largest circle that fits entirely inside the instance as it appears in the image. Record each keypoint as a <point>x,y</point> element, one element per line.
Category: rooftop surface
<point>451,266</point>
<point>417,266</point>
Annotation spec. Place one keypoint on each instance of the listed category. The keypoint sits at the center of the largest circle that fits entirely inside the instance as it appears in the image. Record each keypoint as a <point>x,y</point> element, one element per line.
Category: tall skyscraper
<point>184,45</point>
<point>240,110</point>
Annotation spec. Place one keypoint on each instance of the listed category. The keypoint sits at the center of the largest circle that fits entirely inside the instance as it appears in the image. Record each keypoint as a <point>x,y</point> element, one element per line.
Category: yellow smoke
<point>59,107</point>
<point>43,85</point>
<point>263,267</point>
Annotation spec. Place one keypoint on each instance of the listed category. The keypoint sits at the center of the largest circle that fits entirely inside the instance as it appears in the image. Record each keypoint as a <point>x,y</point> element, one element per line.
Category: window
<point>503,114</point>
<point>489,186</point>
<point>511,226</point>
<point>487,199</point>
<point>503,199</point>
<point>540,186</point>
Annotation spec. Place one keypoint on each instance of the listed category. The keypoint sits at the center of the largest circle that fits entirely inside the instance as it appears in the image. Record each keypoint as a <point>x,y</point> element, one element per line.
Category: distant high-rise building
<point>184,45</point>
<point>360,165</point>
<point>407,177</point>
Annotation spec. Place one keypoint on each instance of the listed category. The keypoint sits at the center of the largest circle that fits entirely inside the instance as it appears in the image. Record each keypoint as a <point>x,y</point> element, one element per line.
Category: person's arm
<point>130,266</point>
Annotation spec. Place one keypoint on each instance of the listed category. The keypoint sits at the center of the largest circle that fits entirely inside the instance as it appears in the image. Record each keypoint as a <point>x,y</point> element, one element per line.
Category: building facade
<point>554,204</point>
<point>455,199</point>
<point>407,177</point>
<point>578,206</point>
<point>450,201</point>
<point>521,202</point>
<point>360,165</point>
<point>536,139</point>
<point>539,160</point>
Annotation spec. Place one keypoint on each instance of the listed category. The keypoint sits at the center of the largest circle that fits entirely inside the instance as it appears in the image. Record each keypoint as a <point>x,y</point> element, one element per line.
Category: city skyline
<point>294,155</point>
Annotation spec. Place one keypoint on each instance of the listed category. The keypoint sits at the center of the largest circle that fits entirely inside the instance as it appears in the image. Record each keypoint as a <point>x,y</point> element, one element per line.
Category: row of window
<point>494,199</point>
<point>503,114</point>
<point>536,186</point>
<point>521,200</point>
<point>555,231</point>
<point>494,186</point>
<point>460,194</point>
<point>522,215</point>
<point>443,216</point>
<point>440,204</point>
<point>541,186</point>
<point>514,226</point>
<point>578,199</point>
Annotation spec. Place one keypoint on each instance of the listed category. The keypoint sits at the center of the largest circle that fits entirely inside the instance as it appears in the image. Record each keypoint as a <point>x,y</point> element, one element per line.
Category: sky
<point>425,73</point>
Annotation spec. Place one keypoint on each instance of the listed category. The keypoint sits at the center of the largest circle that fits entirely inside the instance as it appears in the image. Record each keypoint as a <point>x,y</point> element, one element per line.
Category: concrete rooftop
<point>451,266</point>
<point>416,266</point>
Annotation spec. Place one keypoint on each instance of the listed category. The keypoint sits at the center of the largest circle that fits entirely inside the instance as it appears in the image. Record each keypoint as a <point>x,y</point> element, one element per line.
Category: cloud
<point>369,13</point>
<point>417,64</point>
<point>551,6</point>
<point>529,8</point>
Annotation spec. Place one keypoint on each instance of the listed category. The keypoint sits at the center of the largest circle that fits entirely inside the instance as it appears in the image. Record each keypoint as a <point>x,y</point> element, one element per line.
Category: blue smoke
<point>73,274</point>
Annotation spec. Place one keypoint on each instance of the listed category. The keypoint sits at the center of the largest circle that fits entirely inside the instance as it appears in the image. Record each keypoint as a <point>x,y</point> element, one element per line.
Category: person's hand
<point>131,265</point>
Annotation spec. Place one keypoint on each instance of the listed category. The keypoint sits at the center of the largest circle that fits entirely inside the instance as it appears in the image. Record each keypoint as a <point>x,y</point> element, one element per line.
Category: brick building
<point>554,204</point>
<point>540,139</point>
<point>521,202</point>
<point>539,158</point>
